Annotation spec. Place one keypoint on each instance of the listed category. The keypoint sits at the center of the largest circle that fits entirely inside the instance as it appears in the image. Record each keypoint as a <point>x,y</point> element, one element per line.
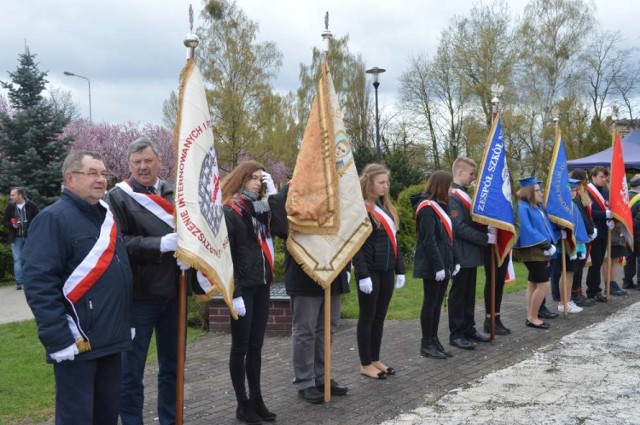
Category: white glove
<point>268,182</point>
<point>549,252</point>
<point>610,224</point>
<point>440,275</point>
<point>365,285</point>
<point>563,234</point>
<point>184,267</point>
<point>573,257</point>
<point>202,279</point>
<point>238,306</point>
<point>68,353</point>
<point>607,213</point>
<point>133,333</point>
<point>399,281</point>
<point>581,256</point>
<point>348,277</point>
<point>491,239</point>
<point>595,233</point>
<point>456,269</point>
<point>169,242</point>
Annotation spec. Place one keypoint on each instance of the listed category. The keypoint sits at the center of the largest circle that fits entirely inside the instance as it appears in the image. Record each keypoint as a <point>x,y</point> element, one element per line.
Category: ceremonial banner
<point>619,193</point>
<point>557,195</point>
<point>492,198</point>
<point>312,201</point>
<point>324,253</point>
<point>203,242</point>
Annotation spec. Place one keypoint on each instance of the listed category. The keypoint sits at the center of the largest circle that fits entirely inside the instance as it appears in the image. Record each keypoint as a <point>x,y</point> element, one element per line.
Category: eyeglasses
<point>92,174</point>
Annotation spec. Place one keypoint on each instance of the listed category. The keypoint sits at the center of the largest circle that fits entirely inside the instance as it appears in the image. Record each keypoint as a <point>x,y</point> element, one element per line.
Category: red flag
<point>619,193</point>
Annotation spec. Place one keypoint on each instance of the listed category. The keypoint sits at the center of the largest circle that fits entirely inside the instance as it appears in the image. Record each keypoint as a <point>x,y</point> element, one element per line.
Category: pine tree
<point>31,147</point>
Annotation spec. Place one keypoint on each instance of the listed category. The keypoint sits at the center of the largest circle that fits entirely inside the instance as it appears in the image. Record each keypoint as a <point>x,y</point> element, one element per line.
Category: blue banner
<point>492,203</point>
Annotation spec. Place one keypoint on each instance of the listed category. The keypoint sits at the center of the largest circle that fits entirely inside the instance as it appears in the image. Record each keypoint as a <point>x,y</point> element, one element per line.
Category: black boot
<point>500,329</point>
<point>440,347</point>
<point>428,349</point>
<point>261,410</point>
<point>246,414</point>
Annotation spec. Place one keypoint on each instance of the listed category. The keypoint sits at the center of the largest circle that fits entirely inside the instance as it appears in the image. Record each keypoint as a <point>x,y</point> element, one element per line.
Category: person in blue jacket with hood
<point>536,245</point>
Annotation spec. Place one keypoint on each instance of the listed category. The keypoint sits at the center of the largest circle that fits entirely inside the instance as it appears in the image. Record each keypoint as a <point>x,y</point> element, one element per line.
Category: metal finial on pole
<point>326,35</point>
<point>191,40</point>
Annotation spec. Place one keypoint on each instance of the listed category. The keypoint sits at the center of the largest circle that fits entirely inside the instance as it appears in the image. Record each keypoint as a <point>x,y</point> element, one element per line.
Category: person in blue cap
<point>536,245</point>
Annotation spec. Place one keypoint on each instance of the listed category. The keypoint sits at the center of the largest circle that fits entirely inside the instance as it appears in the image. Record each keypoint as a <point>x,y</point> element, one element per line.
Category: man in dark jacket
<point>470,242</point>
<point>631,268</point>
<point>143,208</point>
<point>17,216</point>
<point>78,285</point>
<point>307,303</point>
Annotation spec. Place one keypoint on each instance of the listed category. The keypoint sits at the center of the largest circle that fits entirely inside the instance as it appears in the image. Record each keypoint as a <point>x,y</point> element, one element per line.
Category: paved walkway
<point>419,382</point>
<point>13,307</point>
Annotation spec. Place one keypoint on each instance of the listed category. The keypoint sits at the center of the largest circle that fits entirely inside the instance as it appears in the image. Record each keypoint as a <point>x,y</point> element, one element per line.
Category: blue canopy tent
<point>630,151</point>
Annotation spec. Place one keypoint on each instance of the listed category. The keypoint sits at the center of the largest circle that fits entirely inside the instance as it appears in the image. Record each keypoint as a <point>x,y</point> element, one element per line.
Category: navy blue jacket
<point>598,215</point>
<point>60,237</point>
<point>471,238</point>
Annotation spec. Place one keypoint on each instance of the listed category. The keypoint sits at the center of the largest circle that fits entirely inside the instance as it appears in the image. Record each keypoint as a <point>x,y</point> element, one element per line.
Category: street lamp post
<point>71,74</point>
<point>376,71</point>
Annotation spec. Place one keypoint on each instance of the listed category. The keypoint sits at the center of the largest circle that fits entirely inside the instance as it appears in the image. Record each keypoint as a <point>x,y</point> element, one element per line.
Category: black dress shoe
<point>599,298</point>
<point>312,395</point>
<point>335,388</point>
<point>432,351</point>
<point>629,285</point>
<point>587,302</point>
<point>546,314</point>
<point>543,325</point>
<point>615,289</point>
<point>477,336</point>
<point>440,348</point>
<point>463,343</point>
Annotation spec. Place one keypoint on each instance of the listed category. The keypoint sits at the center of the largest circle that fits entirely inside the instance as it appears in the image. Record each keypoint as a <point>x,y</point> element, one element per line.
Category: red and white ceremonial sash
<point>97,261</point>
<point>387,223</point>
<point>446,221</point>
<point>265,244</point>
<point>463,196</point>
<point>155,204</point>
<point>595,194</point>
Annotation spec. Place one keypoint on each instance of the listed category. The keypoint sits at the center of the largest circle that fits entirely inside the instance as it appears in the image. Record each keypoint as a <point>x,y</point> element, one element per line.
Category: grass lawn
<point>407,302</point>
<point>26,381</point>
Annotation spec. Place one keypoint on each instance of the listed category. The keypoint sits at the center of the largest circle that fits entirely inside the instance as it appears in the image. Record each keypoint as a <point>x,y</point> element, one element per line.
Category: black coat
<point>635,214</point>
<point>155,274</point>
<point>598,215</point>
<point>250,267</point>
<point>377,254</point>
<point>296,281</point>
<point>584,212</point>
<point>434,248</point>
<point>31,211</point>
<point>471,238</point>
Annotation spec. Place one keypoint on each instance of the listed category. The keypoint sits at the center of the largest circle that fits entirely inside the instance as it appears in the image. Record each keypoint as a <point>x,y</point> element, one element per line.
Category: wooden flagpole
<point>563,293</point>
<point>492,302</point>
<point>182,347</point>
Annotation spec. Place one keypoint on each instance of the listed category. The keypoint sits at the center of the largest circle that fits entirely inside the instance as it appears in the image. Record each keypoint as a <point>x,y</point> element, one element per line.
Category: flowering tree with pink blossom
<point>112,140</point>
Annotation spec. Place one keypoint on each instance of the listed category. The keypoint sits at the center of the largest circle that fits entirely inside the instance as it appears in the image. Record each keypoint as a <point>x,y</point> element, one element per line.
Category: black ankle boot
<point>440,347</point>
<point>500,329</point>
<point>261,410</point>
<point>246,414</point>
<point>501,326</point>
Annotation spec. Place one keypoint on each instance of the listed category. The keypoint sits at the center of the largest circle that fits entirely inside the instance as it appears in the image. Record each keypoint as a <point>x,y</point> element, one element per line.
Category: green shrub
<point>407,231</point>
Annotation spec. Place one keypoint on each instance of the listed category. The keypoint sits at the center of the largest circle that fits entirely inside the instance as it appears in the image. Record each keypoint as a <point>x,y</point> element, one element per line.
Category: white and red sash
<point>266,244</point>
<point>442,214</point>
<point>595,194</point>
<point>463,196</point>
<point>387,223</point>
<point>155,204</point>
<point>96,262</point>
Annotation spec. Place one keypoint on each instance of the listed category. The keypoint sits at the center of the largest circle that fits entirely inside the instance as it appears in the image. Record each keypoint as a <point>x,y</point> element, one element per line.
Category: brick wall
<point>279,322</point>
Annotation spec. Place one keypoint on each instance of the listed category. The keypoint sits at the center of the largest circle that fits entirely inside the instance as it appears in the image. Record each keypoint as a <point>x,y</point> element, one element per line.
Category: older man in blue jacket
<point>78,284</point>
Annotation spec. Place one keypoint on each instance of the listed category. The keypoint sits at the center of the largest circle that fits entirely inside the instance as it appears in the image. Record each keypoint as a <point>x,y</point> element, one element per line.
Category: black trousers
<point>87,392</point>
<point>501,273</point>
<point>462,301</point>
<point>247,337</point>
<point>598,249</point>
<point>433,295</point>
<point>631,267</point>
<point>373,311</point>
